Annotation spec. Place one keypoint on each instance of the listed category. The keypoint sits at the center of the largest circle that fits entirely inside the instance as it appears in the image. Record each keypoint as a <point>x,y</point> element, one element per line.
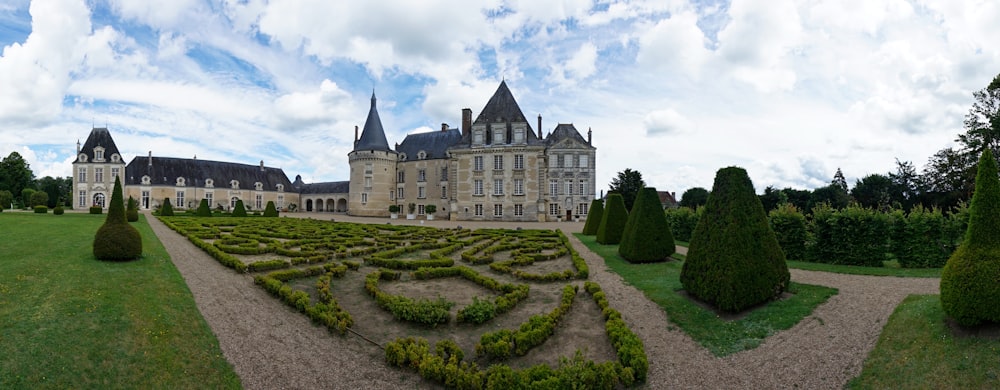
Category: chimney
<point>590,135</point>
<point>444,127</point>
<point>262,165</point>
<point>466,121</point>
<point>356,134</point>
<point>77,146</point>
<point>539,126</point>
<point>150,159</point>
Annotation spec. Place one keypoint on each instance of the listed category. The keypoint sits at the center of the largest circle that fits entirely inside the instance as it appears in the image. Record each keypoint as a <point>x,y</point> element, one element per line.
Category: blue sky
<point>790,90</point>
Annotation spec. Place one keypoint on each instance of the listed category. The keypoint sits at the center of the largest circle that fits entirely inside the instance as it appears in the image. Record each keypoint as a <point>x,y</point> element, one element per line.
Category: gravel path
<point>271,346</point>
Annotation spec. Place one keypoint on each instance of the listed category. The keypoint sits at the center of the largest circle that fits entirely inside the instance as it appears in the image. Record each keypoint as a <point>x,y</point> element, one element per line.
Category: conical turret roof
<point>372,137</point>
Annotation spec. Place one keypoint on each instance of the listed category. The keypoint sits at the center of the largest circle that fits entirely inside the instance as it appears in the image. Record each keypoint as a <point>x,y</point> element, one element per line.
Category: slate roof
<point>502,107</point>
<point>667,199</point>
<point>166,170</point>
<point>373,136</point>
<point>566,131</point>
<point>99,136</point>
<point>330,187</point>
<point>435,144</point>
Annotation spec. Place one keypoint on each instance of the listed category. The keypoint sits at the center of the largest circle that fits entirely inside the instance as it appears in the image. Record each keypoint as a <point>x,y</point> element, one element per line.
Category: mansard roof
<point>373,136</point>
<point>99,136</point>
<point>435,144</point>
<point>501,108</point>
<point>566,131</point>
<point>166,170</point>
<point>329,187</point>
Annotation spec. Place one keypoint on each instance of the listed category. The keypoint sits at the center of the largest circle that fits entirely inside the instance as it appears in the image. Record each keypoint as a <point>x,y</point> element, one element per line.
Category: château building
<point>497,167</point>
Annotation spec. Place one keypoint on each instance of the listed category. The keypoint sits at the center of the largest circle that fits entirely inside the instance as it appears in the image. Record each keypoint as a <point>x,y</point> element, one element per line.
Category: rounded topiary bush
<point>132,211</point>
<point>239,210</point>
<point>970,280</point>
<point>270,210</point>
<point>41,209</point>
<point>593,218</point>
<point>166,210</point>
<point>613,221</point>
<point>734,260</point>
<point>59,210</point>
<point>116,239</point>
<point>647,237</point>
<point>203,209</point>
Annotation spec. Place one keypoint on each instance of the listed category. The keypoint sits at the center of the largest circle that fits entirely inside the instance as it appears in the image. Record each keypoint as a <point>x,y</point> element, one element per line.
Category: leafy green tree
<point>6,199</point>
<point>26,194</point>
<point>874,191</point>
<point>982,123</point>
<point>38,198</point>
<point>907,185</point>
<point>948,178</point>
<point>647,237</point>
<point>613,221</point>
<point>839,180</point>
<point>832,195</point>
<point>628,183</point>
<point>772,197</point>
<point>799,198</point>
<point>594,217</point>
<point>694,197</point>
<point>969,289</point>
<point>116,239</point>
<point>15,174</point>
<point>59,188</point>
<point>734,260</point>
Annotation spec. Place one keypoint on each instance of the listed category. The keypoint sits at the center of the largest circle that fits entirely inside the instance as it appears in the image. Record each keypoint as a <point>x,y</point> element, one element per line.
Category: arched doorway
<point>309,205</point>
<point>99,200</point>
<point>331,205</point>
<point>342,205</point>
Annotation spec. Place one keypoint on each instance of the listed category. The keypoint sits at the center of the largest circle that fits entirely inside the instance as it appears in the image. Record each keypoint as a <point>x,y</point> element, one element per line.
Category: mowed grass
<point>917,349</point>
<point>874,271</point>
<point>660,282</point>
<point>68,320</point>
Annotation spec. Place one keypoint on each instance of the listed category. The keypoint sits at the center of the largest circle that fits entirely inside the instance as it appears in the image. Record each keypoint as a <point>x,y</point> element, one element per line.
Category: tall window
<point>518,186</point>
<point>99,175</point>
<point>82,176</point>
<point>584,160</point>
<point>82,200</point>
<point>281,201</point>
<point>98,154</point>
<point>444,192</point>
<point>553,161</point>
<point>145,199</point>
<point>399,193</point>
<point>368,168</point>
<point>498,162</point>
<point>553,188</point>
<point>364,198</point>
<point>114,172</point>
<point>559,161</point>
<point>422,175</point>
<point>518,210</point>
<point>478,210</point>
<point>208,197</point>
<point>420,209</point>
<point>518,161</point>
<point>477,187</point>
<point>583,188</point>
<point>444,173</point>
<point>368,182</point>
<point>259,202</point>
<point>581,209</point>
<point>421,192</point>
<point>401,177</point>
<point>569,187</point>
<point>477,163</point>
<point>498,210</point>
<point>180,199</point>
<point>553,209</point>
<point>497,186</point>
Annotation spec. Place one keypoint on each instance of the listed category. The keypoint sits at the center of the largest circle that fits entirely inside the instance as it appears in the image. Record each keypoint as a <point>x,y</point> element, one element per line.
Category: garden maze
<point>485,308</point>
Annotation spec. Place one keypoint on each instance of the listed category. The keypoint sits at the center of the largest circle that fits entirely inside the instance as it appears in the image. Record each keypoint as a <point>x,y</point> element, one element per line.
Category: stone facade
<point>97,163</point>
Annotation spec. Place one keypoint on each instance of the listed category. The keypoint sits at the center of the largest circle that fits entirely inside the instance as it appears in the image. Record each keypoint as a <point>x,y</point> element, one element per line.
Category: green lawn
<point>661,281</point>
<point>70,321</point>
<point>918,350</point>
<point>875,271</point>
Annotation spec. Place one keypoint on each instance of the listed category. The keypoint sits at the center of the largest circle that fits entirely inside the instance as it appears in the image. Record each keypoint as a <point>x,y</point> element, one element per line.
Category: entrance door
<point>569,214</point>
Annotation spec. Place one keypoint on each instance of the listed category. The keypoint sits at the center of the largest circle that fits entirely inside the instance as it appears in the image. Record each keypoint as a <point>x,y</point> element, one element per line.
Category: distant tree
<point>26,194</point>
<point>906,183</point>
<point>39,198</point>
<point>874,191</point>
<point>772,197</point>
<point>58,188</point>
<point>15,174</point>
<point>839,180</point>
<point>799,198</point>
<point>982,123</point>
<point>628,183</point>
<point>694,197</point>
<point>833,195</point>
<point>948,178</point>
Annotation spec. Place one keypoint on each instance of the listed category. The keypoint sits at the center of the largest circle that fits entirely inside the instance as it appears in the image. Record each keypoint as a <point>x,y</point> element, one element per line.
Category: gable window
<point>498,162</point>
<point>421,155</point>
<point>258,186</point>
<point>498,135</point>
<point>477,163</point>
<point>209,183</point>
<point>519,136</point>
<point>99,175</point>
<point>281,187</point>
<point>477,187</point>
<point>83,157</point>
<point>518,162</point>
<point>235,184</point>
<point>115,157</point>
<point>82,175</point>
<point>477,137</point>
<point>98,154</point>
<point>146,180</point>
<point>180,182</point>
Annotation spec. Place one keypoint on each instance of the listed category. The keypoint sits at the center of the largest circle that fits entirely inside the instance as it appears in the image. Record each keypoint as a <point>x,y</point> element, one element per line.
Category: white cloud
<point>159,14</point>
<point>674,44</point>
<point>757,42</point>
<point>667,122</point>
<point>298,110</point>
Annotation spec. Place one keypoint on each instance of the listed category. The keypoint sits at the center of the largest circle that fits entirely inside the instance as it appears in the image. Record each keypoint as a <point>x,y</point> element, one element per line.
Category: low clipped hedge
<point>327,311</point>
<point>479,311</point>
<point>96,210</point>
<point>59,210</point>
<point>421,311</point>
<point>790,229</point>
<point>532,333</point>
<point>41,209</point>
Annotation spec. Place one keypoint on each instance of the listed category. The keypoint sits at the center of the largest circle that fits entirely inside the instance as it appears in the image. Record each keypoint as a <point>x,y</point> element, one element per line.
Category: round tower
<point>373,170</point>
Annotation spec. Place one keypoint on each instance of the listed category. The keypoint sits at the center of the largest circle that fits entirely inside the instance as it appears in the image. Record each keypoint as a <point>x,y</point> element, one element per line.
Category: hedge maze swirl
<point>482,298</point>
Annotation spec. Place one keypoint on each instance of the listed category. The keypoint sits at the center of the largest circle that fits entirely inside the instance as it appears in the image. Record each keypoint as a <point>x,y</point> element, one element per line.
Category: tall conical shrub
<point>203,209</point>
<point>116,239</point>
<point>132,210</point>
<point>613,221</point>
<point>239,210</point>
<point>734,260</point>
<point>270,210</point>
<point>970,281</point>
<point>647,237</point>
<point>594,216</point>
<point>166,210</point>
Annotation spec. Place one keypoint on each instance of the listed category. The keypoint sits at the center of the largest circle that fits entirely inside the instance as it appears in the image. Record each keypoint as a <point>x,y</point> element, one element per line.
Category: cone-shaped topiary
<point>734,260</point>
<point>647,237</point>
<point>166,210</point>
<point>613,221</point>
<point>132,210</point>
<point>970,281</point>
<point>594,216</point>
<point>203,209</point>
<point>270,210</point>
<point>239,210</point>
<point>116,239</point>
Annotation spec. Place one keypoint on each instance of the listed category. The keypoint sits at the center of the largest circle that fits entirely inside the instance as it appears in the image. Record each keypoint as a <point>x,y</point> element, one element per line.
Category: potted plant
<point>393,211</point>
<point>410,209</point>
<point>430,209</point>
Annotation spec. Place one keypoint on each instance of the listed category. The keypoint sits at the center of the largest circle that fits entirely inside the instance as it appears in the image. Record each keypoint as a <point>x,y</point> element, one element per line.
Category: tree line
<point>20,189</point>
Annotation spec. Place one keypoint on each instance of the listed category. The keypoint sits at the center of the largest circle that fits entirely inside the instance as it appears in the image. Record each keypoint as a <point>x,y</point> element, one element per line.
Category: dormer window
<point>258,186</point>
<point>115,157</point>
<point>209,183</point>
<point>421,155</point>
<point>402,157</point>
<point>281,187</point>
<point>498,135</point>
<point>477,136</point>
<point>83,157</point>
<point>180,181</point>
<point>98,154</point>
<point>145,180</point>
<point>234,184</point>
